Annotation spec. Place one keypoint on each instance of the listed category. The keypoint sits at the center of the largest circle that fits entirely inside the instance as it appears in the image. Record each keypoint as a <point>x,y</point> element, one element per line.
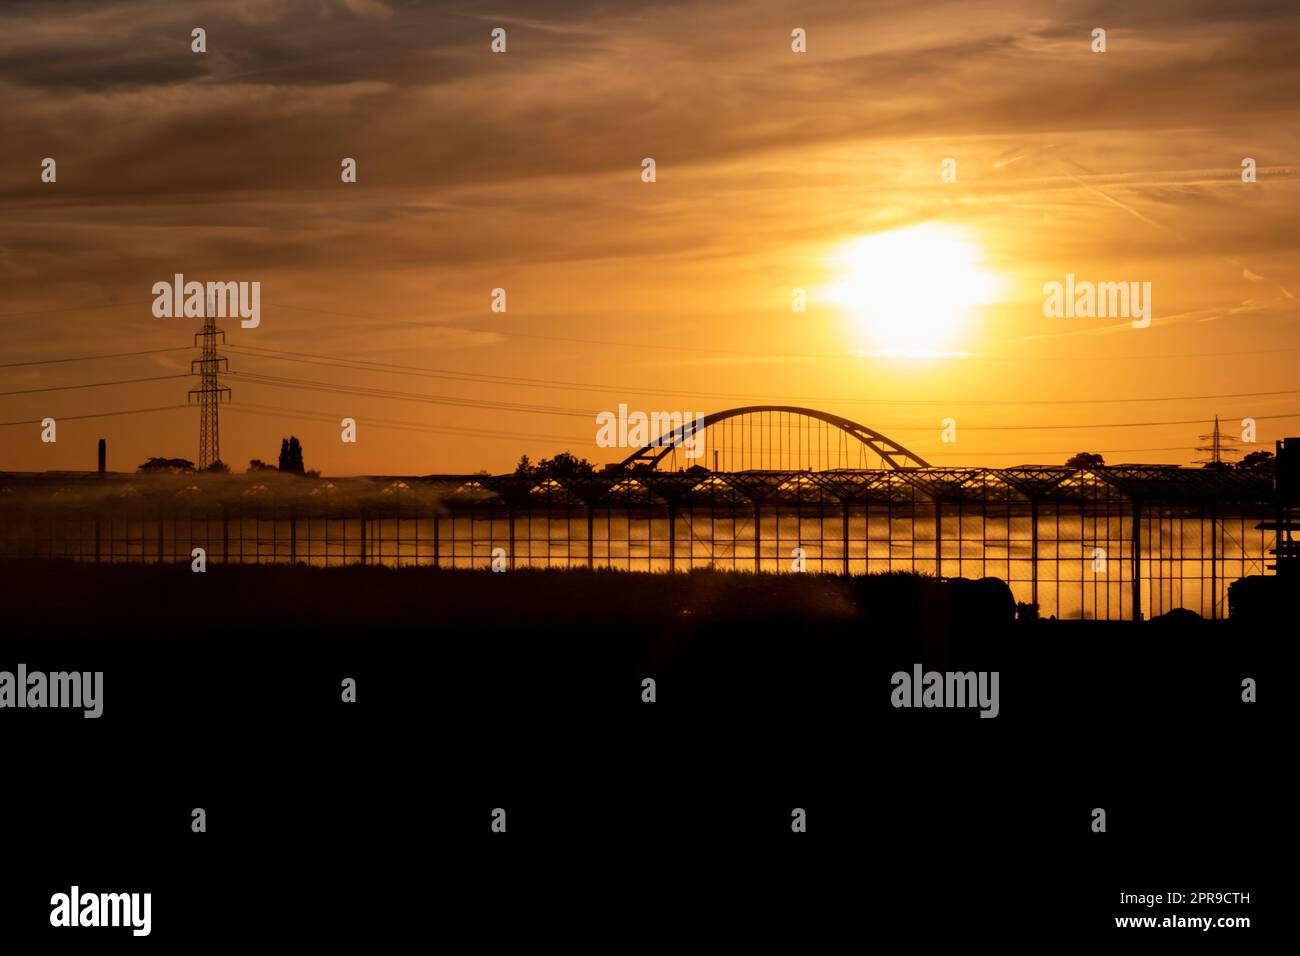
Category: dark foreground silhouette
<point>822,639</point>
<point>526,690</point>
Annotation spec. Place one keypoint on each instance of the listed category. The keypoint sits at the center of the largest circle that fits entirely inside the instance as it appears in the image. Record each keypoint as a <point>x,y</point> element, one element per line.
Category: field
<point>524,690</point>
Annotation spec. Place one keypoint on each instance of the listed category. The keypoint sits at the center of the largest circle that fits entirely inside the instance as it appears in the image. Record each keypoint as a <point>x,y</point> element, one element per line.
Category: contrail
<point>1247,273</point>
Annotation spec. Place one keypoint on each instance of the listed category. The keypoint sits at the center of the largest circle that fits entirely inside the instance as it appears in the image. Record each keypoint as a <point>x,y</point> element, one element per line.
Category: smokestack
<point>103,457</point>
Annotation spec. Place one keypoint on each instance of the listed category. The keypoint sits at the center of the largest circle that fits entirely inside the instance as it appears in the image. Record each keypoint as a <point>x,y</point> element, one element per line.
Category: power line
<point>411,426</point>
<point>272,410</point>
<point>276,411</point>
<point>654,345</point>
<point>73,418</point>
<point>70,308</point>
<point>1192,421</point>
<point>64,388</point>
<point>92,358</point>
<point>388,394</point>
<point>816,355</point>
<point>327,361</point>
<point>363,392</point>
<point>280,382</point>
<point>1060,451</point>
<point>481,378</point>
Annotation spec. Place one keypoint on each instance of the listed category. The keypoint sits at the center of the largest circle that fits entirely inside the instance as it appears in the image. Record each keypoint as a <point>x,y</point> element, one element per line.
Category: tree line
<point>290,461</point>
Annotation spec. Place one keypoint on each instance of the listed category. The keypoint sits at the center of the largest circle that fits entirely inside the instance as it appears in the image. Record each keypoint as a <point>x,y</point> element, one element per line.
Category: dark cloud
<point>234,156</point>
<point>410,90</point>
<point>97,47</point>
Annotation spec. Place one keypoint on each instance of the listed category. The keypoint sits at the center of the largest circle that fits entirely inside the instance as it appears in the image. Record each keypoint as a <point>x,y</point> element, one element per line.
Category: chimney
<point>103,457</point>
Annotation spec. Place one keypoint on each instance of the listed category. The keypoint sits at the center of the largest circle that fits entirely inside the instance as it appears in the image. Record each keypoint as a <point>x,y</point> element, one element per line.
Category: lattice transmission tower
<point>1221,450</point>
<point>210,392</point>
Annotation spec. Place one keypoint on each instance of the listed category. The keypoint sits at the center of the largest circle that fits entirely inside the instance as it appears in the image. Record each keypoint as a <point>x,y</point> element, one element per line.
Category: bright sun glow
<point>911,292</point>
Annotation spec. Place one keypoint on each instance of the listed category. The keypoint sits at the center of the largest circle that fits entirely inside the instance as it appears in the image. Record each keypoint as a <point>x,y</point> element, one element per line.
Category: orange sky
<point>523,171</point>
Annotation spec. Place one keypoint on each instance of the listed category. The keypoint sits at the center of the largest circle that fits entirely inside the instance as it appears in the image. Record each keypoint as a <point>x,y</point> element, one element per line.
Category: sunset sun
<point>910,291</point>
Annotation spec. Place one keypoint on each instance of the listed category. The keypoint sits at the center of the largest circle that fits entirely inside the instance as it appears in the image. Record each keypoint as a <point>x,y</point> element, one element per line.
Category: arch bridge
<point>771,438</point>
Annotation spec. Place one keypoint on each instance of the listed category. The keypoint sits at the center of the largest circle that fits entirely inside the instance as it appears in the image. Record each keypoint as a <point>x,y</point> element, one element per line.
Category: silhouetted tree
<point>563,465</point>
<point>258,465</point>
<point>1258,461</point>
<point>218,467</point>
<point>167,464</point>
<point>291,455</point>
<point>1085,459</point>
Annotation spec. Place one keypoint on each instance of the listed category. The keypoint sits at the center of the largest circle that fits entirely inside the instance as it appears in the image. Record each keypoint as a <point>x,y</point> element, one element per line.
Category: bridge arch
<point>890,451</point>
